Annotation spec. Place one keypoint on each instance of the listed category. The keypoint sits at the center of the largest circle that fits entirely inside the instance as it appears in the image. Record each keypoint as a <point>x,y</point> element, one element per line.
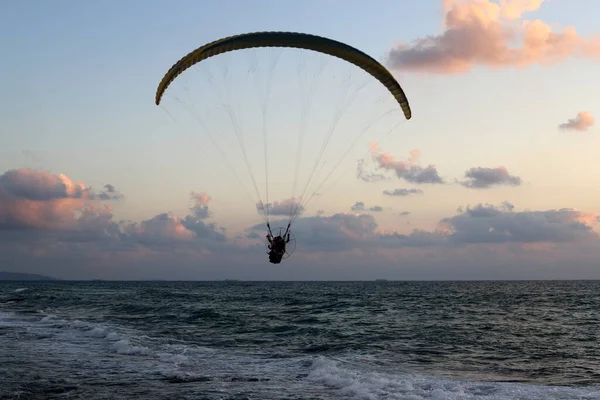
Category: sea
<point>300,340</point>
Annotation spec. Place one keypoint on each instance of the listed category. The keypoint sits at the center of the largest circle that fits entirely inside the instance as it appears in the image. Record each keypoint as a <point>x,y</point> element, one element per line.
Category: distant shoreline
<point>21,276</point>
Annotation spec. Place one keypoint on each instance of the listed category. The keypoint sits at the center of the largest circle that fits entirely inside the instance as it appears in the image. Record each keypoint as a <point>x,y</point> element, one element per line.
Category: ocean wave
<point>338,342</point>
<point>124,346</point>
<point>351,382</point>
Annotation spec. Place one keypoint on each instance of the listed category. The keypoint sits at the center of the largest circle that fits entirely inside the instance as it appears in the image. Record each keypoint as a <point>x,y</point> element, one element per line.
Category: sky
<point>494,176</point>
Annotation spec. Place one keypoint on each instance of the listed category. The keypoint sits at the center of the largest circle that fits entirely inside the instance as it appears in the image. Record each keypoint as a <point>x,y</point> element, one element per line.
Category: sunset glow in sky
<point>494,177</point>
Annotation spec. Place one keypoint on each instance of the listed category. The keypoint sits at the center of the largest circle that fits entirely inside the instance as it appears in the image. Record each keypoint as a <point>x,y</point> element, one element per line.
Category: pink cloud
<point>38,199</point>
<point>482,32</point>
<point>162,226</point>
<point>582,122</point>
<point>407,170</point>
<point>200,199</point>
<point>77,238</point>
<point>474,244</point>
<point>36,185</point>
<point>49,214</point>
<point>32,199</point>
<point>200,205</point>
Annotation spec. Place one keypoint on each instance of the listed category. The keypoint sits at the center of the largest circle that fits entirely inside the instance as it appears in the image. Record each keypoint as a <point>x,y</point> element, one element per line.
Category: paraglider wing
<point>288,39</point>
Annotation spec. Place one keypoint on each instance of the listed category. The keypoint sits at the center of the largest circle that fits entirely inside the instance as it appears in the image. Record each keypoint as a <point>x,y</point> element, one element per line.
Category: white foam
<point>20,290</point>
<point>368,385</point>
<point>80,324</point>
<point>124,346</point>
<point>97,332</point>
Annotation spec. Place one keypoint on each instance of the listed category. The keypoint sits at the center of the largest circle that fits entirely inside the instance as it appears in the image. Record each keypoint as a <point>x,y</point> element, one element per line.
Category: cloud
<point>56,208</point>
<point>92,222</point>
<point>506,206</point>
<point>343,232</point>
<point>482,223</point>
<point>110,193</point>
<point>33,199</point>
<point>582,122</point>
<point>483,178</point>
<point>406,170</point>
<point>168,230</point>
<point>368,176</point>
<point>161,229</point>
<point>491,34</point>
<point>404,213</point>
<point>34,185</point>
<point>486,223</point>
<point>89,242</point>
<point>284,207</point>
<point>199,205</point>
<point>38,199</point>
<point>359,206</point>
<point>402,192</point>
<point>335,233</point>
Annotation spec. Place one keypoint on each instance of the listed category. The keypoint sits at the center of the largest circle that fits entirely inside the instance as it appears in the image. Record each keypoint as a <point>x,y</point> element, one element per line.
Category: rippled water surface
<point>301,340</point>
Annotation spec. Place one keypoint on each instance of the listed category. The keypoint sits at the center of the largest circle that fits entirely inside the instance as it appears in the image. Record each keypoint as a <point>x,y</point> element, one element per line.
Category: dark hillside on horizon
<point>20,276</point>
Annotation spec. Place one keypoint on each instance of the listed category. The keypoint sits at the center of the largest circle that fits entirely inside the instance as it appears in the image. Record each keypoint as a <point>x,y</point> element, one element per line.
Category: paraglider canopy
<point>228,104</point>
<point>288,39</point>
